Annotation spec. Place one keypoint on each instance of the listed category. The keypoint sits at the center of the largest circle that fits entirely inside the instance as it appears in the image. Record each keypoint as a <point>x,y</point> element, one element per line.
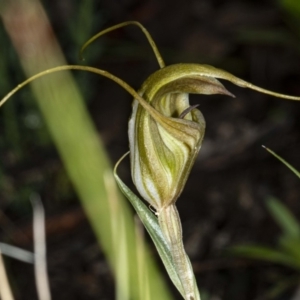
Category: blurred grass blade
<point>296,172</point>
<point>266,254</point>
<point>284,218</point>
<point>281,286</point>
<point>291,6</point>
<point>291,246</point>
<point>120,241</point>
<point>40,258</point>
<point>78,144</point>
<point>140,256</point>
<point>151,224</point>
<point>17,253</point>
<point>5,291</point>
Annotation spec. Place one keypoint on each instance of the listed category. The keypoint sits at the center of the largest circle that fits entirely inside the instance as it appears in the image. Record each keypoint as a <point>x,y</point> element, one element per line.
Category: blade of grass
<point>281,286</point>
<point>291,246</point>
<point>17,253</point>
<point>5,291</point>
<point>296,172</point>
<point>291,6</point>
<point>266,254</point>
<point>40,259</point>
<point>119,239</point>
<point>284,218</point>
<point>143,278</point>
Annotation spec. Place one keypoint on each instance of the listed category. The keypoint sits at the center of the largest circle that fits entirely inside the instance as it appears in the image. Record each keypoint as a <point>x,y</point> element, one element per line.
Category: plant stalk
<point>170,225</point>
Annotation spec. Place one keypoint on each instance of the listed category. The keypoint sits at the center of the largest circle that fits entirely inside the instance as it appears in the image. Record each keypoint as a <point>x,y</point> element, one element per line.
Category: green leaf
<point>291,6</point>
<point>266,254</point>
<point>281,286</point>
<point>151,224</point>
<point>296,172</point>
<point>284,218</point>
<point>291,246</point>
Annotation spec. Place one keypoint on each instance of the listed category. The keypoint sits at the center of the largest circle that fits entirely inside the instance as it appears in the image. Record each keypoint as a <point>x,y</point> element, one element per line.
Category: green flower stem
<point>170,225</point>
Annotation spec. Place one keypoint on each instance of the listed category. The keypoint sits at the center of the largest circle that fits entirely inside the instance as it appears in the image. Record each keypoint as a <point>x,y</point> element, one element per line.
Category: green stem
<point>170,225</point>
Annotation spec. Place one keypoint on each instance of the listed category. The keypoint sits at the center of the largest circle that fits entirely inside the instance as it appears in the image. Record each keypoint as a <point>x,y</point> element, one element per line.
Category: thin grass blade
<point>296,172</point>
<point>284,218</point>
<point>5,290</point>
<point>40,258</point>
<point>17,253</point>
<point>266,254</point>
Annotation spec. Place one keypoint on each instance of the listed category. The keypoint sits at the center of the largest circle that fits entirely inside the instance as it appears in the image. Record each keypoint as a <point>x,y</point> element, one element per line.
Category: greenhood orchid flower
<point>163,147</point>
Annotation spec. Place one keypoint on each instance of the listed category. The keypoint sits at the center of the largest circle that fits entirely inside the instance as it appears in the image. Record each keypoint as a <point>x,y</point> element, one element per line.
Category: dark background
<point>224,200</point>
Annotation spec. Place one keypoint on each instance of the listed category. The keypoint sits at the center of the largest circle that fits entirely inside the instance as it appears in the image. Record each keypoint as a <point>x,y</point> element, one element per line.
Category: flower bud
<point>165,136</point>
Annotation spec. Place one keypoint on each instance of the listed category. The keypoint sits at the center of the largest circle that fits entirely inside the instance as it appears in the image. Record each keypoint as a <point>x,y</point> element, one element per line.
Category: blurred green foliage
<point>292,7</point>
<point>287,250</point>
<point>24,137</point>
